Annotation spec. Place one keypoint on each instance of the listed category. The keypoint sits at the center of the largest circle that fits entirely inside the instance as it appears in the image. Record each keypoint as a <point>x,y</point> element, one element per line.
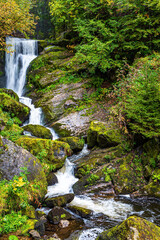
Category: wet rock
<point>104,134</point>
<point>75,143</point>
<point>10,105</point>
<point>34,234</point>
<point>13,158</point>
<point>51,152</point>
<point>132,228</point>
<point>64,223</point>
<point>52,179</point>
<point>57,214</point>
<point>83,212</point>
<point>38,131</point>
<point>59,201</point>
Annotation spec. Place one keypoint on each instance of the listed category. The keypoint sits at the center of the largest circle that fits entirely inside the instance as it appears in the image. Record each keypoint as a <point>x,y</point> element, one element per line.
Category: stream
<point>106,212</point>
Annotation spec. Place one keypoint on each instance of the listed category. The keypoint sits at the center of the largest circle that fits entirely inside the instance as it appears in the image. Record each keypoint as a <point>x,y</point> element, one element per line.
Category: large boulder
<point>14,158</point>
<point>57,214</point>
<point>59,201</point>
<point>103,135</point>
<point>75,143</point>
<point>14,107</point>
<point>10,92</point>
<point>48,151</point>
<point>134,228</point>
<point>38,131</point>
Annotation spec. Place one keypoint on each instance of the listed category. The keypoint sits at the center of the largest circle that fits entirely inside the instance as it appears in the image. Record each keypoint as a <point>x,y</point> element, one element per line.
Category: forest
<point>96,79</point>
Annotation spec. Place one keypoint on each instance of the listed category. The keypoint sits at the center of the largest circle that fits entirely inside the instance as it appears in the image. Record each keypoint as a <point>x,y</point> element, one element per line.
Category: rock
<point>129,175</point>
<point>103,135</point>
<point>52,179</point>
<point>10,92</point>
<point>83,212</point>
<point>34,234</point>
<point>13,158</point>
<point>29,211</point>
<point>64,223</point>
<point>48,151</point>
<point>40,225</point>
<point>59,201</point>
<point>57,214</point>
<point>75,124</point>
<point>38,131</point>
<point>134,228</point>
<point>75,143</point>
<point>12,106</point>
<point>69,104</point>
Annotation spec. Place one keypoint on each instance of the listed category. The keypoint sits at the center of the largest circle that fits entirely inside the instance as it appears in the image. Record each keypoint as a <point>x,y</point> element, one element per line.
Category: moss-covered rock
<point>59,201</point>
<point>57,214</point>
<point>103,135</point>
<point>129,175</point>
<point>38,131</point>
<point>153,187</point>
<point>75,143</point>
<point>10,92</point>
<point>30,225</point>
<point>61,131</point>
<point>132,228</point>
<point>83,212</point>
<point>51,153</point>
<point>14,107</point>
<point>13,159</point>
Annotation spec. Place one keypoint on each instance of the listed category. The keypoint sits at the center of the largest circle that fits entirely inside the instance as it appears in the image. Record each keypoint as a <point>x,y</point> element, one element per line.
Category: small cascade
<point>21,53</point>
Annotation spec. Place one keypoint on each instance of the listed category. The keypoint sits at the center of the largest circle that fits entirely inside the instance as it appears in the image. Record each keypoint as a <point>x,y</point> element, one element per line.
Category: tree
<point>15,15</point>
<point>110,31</point>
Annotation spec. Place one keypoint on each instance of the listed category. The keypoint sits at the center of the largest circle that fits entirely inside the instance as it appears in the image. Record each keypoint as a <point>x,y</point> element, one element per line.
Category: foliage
<point>110,32</point>
<point>139,97</point>
<point>15,15</point>
<point>12,237</point>
<point>12,222</point>
<point>92,179</point>
<point>108,172</point>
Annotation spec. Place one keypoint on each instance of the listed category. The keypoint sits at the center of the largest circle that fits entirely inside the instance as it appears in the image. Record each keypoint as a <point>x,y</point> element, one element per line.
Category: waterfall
<point>18,57</point>
<point>21,53</point>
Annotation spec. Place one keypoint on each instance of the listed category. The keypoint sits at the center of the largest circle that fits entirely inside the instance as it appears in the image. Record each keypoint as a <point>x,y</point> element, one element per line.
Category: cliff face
<point>2,69</point>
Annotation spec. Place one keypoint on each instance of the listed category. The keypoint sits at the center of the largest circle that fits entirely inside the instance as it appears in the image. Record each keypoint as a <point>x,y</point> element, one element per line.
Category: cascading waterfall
<point>21,53</point>
<point>17,62</point>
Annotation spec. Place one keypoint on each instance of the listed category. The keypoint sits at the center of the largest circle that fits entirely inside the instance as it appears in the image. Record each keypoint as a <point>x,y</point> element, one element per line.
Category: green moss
<point>132,228</point>
<point>15,108</point>
<point>75,143</point>
<point>103,135</point>
<point>30,225</point>
<point>38,131</point>
<point>49,152</point>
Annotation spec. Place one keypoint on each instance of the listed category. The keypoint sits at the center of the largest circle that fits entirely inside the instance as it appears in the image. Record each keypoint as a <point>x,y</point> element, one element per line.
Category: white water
<point>22,52</point>
<point>66,179</point>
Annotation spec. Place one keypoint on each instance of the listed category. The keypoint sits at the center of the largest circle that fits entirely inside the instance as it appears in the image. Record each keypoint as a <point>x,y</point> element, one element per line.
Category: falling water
<point>21,53</point>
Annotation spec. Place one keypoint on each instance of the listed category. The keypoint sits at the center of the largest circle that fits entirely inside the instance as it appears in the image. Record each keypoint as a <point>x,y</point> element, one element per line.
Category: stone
<point>10,92</point>
<point>75,143</point>
<point>51,152</point>
<point>12,106</point>
<point>40,225</point>
<point>83,212</point>
<point>60,201</point>
<point>69,104</point>
<point>38,131</point>
<point>57,214</point>
<point>134,228</point>
<point>64,223</point>
<point>13,158</point>
<point>52,179</point>
<point>34,234</point>
<point>104,134</point>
